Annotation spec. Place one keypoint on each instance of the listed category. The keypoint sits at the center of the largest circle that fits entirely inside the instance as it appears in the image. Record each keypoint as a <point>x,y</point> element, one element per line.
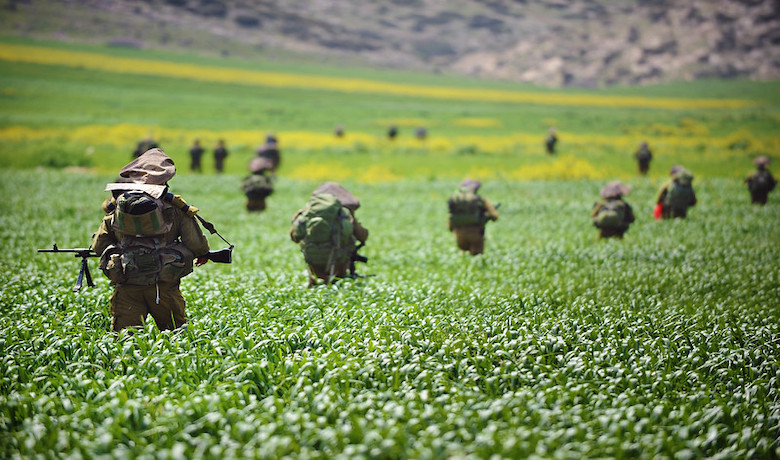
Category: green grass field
<point>551,345</point>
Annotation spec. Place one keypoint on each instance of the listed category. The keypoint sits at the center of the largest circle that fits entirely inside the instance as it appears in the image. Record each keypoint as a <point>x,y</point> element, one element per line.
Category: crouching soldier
<point>148,241</point>
<point>469,212</point>
<point>612,215</point>
<point>328,232</point>
<point>258,185</point>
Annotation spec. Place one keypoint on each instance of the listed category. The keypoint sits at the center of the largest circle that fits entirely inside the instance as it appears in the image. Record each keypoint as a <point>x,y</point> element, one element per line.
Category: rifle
<point>222,256</point>
<point>84,253</point>
<point>356,258</point>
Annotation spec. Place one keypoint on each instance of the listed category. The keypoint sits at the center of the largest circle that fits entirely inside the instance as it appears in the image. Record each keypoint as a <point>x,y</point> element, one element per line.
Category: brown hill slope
<point>548,42</point>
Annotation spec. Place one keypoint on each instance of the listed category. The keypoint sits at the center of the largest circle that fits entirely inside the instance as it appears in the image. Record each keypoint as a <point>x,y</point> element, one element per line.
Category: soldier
<point>676,195</point>
<point>144,145</point>
<point>421,133</point>
<point>328,231</point>
<point>392,132</point>
<point>270,151</point>
<point>220,153</point>
<point>760,182</point>
<point>551,140</point>
<point>258,185</point>
<point>196,152</point>
<point>148,241</point>
<point>643,156</point>
<point>339,130</point>
<point>612,215</point>
<point>469,213</point>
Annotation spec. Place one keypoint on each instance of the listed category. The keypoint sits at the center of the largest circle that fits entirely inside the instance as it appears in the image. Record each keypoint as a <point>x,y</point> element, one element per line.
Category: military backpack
<point>325,231</point>
<point>680,192</point>
<point>611,215</point>
<point>762,181</point>
<point>466,208</point>
<point>141,257</point>
<point>257,186</point>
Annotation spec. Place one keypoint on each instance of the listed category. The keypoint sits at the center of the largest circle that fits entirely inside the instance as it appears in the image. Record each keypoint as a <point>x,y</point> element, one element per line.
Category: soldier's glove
<point>179,202</point>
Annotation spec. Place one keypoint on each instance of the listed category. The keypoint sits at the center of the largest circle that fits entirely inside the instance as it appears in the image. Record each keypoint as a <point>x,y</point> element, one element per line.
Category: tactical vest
<point>466,208</point>
<point>762,181</point>
<point>325,231</point>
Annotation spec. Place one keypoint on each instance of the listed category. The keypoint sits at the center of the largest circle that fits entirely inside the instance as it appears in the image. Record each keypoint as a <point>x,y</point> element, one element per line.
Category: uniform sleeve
<point>595,210</point>
<point>662,194</point>
<point>293,226</point>
<point>104,237</point>
<point>192,236</point>
<point>360,232</point>
<point>490,211</point>
<point>629,217</point>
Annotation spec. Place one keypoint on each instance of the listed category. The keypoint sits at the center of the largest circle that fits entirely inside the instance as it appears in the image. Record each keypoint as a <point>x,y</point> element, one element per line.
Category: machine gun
<point>356,258</point>
<point>84,253</point>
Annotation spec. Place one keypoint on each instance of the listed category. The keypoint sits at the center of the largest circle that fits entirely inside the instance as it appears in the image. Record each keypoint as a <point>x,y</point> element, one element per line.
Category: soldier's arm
<point>490,211</point>
<point>662,194</point>
<point>191,235</point>
<point>629,217</point>
<point>293,226</point>
<point>360,232</point>
<point>595,210</point>
<point>104,237</point>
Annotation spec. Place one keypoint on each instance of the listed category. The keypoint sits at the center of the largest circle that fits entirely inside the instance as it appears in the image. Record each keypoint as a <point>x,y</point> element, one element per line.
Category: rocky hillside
<point>547,42</point>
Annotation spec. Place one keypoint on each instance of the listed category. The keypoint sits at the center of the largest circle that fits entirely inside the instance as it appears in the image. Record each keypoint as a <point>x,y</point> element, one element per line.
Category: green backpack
<point>466,208</point>
<point>325,231</point>
<point>762,181</point>
<point>611,215</point>
<point>680,193</point>
<point>257,186</point>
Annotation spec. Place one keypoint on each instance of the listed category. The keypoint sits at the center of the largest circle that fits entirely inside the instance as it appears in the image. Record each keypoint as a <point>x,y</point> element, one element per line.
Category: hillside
<point>551,42</point>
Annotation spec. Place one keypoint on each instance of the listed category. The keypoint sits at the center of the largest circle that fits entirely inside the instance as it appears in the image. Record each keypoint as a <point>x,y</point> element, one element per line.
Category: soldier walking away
<point>612,215</point>
<point>760,182</point>
<point>196,153</point>
<point>421,133</point>
<point>258,185</point>
<point>270,152</point>
<point>643,156</point>
<point>220,153</point>
<point>338,131</point>
<point>328,232</point>
<point>676,195</point>
<point>148,241</point>
<point>144,145</point>
<point>550,141</point>
<point>469,212</point>
<point>392,132</point>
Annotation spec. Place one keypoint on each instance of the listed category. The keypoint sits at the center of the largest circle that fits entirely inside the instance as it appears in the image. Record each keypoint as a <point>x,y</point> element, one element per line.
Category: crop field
<point>665,344</point>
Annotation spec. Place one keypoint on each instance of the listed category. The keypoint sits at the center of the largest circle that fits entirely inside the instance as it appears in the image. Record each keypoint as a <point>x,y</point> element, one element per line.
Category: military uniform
<point>619,231</point>
<point>220,153</point>
<point>360,233</point>
<point>760,182</point>
<point>671,212</point>
<point>643,156</point>
<point>196,152</point>
<point>130,304</point>
<point>471,237</point>
<point>270,152</point>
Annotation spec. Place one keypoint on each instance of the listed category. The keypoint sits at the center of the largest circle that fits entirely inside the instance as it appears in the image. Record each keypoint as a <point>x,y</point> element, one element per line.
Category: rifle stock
<point>222,256</point>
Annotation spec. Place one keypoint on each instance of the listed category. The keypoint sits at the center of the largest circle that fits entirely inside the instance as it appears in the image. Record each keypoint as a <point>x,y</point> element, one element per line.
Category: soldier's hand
<point>201,261</point>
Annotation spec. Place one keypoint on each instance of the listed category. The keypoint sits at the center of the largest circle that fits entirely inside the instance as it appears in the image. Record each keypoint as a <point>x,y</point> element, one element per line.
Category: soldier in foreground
<point>328,232</point>
<point>612,215</point>
<point>148,241</point>
<point>258,185</point>
<point>676,195</point>
<point>469,212</point>
<point>643,156</point>
<point>760,182</point>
